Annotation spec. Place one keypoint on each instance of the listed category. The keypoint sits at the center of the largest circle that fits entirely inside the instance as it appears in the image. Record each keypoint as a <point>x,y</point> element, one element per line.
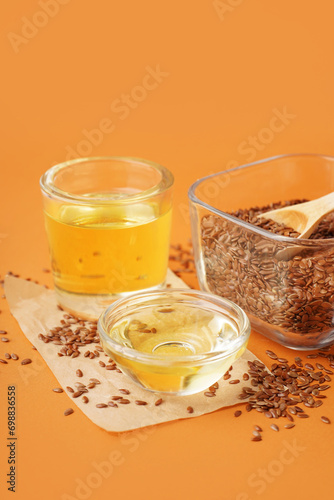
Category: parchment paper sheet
<point>35,309</point>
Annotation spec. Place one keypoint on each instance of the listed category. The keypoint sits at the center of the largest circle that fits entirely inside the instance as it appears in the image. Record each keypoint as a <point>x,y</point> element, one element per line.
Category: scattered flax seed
<point>70,389</point>
<point>91,385</point>
<point>271,354</point>
<point>85,399</point>
<point>158,402</point>
<point>124,401</point>
<point>112,404</point>
<point>256,438</point>
<point>226,376</point>
<point>124,391</point>
<point>166,310</point>
<point>325,420</point>
<point>237,413</point>
<point>289,426</point>
<point>14,356</point>
<point>69,411</point>
<point>3,332</point>
<point>258,428</point>
<point>4,339</point>
<point>236,381</point>
<point>153,330</point>
<point>190,409</point>
<point>274,427</point>
<point>79,373</point>
<point>116,398</point>
<point>209,394</point>
<point>26,361</point>
<point>77,394</point>
<point>101,405</point>
<point>7,355</point>
<point>302,415</point>
<point>101,363</point>
<point>3,361</point>
<point>140,403</point>
<point>58,389</point>
<point>245,376</point>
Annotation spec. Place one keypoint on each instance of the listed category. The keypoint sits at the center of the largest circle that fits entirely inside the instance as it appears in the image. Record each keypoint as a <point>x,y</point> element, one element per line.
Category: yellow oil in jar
<point>108,249</point>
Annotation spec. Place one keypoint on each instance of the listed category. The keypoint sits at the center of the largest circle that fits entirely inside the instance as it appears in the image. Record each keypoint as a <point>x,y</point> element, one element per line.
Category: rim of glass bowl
<point>263,232</point>
<point>47,186</point>
<point>119,309</point>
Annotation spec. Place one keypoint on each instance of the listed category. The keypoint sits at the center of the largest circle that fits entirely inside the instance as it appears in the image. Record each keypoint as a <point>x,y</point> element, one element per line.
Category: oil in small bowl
<point>178,345</point>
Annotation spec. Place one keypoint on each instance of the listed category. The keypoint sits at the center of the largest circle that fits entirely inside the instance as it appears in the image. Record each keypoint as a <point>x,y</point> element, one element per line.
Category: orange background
<point>225,71</point>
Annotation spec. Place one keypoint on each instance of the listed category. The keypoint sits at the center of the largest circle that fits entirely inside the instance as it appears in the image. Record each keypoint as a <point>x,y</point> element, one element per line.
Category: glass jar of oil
<point>108,225</point>
<point>174,341</point>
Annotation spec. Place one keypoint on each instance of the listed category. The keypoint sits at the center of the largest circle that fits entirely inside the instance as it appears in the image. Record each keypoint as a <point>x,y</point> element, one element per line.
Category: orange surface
<point>204,79</point>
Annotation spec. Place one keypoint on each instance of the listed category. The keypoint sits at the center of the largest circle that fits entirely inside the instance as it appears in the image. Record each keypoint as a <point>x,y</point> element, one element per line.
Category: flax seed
<point>209,394</point>
<point>26,361</point>
<point>77,394</point>
<point>69,411</point>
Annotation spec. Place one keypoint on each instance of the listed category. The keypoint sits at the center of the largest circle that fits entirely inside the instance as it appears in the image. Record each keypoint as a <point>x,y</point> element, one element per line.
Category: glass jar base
<point>91,306</point>
<point>293,340</point>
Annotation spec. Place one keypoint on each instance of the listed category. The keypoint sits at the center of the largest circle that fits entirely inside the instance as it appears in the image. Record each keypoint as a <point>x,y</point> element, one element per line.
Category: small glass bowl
<point>197,337</point>
<point>290,301</point>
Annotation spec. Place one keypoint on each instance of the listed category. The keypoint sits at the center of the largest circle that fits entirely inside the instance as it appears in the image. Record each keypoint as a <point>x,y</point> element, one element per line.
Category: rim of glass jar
<point>47,186</point>
<point>247,225</point>
<point>121,305</point>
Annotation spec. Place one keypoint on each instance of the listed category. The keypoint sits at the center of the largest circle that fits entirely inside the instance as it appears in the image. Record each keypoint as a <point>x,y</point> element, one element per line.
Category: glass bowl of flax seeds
<point>288,295</point>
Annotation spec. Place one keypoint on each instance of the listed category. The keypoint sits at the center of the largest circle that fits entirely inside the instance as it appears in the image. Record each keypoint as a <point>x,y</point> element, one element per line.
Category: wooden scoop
<point>303,218</point>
